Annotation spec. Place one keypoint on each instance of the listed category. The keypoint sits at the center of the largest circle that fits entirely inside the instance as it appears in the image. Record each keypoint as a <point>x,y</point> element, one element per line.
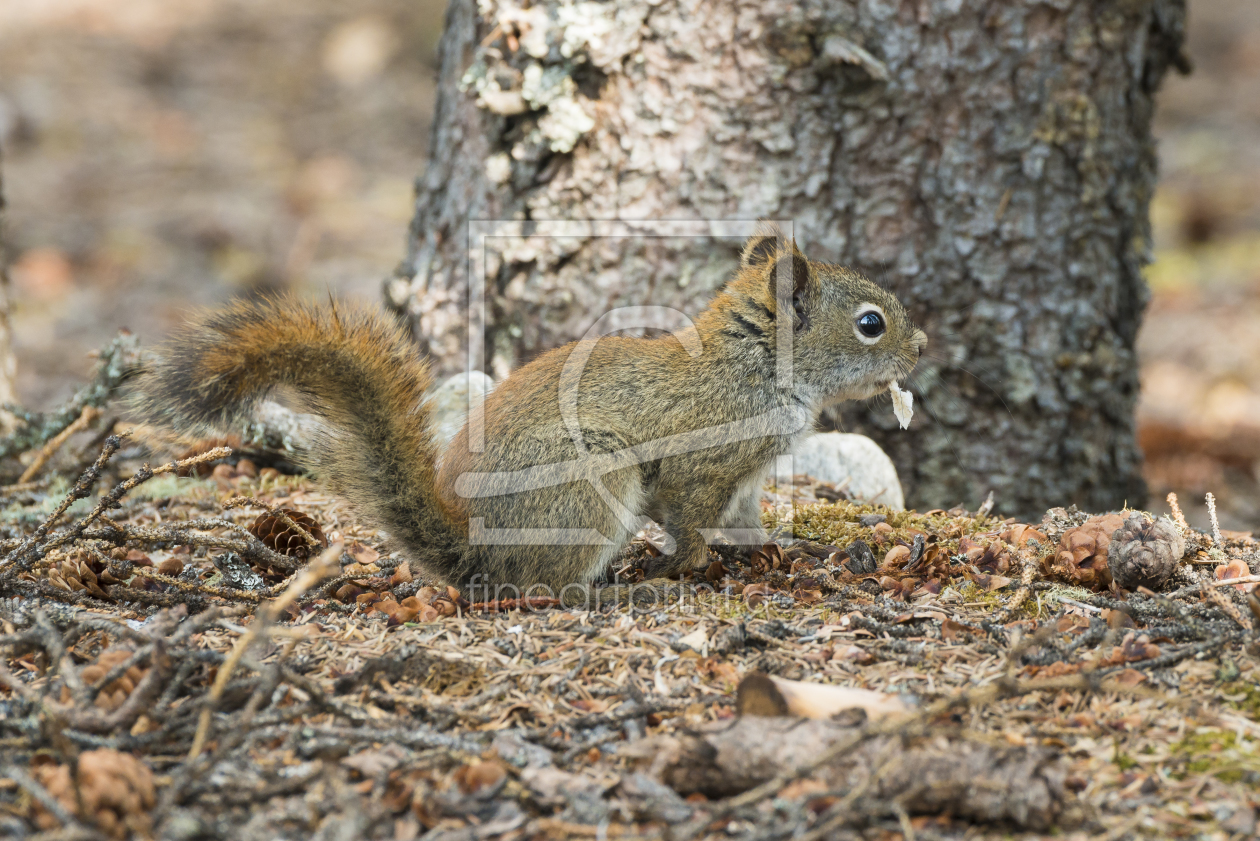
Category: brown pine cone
<point>118,691</point>
<point>279,537</point>
<point>1145,553</point>
<point>991,559</point>
<point>77,573</point>
<point>116,789</point>
<point>1021,533</point>
<point>1082,555</point>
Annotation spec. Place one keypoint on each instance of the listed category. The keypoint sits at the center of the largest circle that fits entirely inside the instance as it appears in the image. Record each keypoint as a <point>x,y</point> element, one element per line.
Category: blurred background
<point>167,153</point>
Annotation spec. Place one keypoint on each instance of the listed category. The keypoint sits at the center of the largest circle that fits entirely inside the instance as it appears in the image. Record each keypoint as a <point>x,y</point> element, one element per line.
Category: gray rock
<point>279,427</point>
<point>854,461</point>
<point>450,402</point>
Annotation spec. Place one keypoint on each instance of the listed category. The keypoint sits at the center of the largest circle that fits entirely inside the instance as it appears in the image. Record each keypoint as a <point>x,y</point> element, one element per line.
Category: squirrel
<point>577,446</point>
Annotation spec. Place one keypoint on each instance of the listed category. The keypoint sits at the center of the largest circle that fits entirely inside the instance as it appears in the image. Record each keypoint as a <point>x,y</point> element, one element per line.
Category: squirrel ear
<point>762,246</point>
<point>793,268</point>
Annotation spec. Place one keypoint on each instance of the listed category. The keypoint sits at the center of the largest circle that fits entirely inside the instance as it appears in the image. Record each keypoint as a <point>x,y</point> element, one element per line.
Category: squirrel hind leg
<point>546,540</point>
<point>691,552</point>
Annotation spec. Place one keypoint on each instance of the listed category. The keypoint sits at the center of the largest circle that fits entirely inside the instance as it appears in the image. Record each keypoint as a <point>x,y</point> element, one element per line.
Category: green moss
<point>1216,752</point>
<point>1249,703</point>
<point>1228,671</point>
<point>972,594</point>
<point>997,599</point>
<point>838,523</point>
<point>46,504</point>
<point>1123,761</point>
<point>722,607</point>
<point>57,490</point>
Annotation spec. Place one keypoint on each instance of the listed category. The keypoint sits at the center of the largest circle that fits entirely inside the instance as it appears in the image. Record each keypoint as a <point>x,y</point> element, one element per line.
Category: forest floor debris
<point>166,672</point>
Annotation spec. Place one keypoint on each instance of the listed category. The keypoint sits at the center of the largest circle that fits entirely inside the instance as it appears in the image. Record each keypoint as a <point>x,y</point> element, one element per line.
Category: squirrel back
<point>581,443</point>
<point>355,368</point>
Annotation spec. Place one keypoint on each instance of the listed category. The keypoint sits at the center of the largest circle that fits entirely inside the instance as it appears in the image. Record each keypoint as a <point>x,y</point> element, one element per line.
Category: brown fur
<point>632,401</point>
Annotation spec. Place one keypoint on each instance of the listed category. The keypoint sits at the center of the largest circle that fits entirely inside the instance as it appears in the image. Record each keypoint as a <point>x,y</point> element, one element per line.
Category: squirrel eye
<point>871,324</point>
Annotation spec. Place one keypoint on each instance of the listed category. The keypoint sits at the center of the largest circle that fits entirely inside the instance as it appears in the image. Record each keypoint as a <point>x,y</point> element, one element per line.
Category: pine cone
<point>1082,556</point>
<point>279,537</point>
<point>1021,533</point>
<point>77,573</point>
<point>1145,553</point>
<point>116,692</point>
<point>117,791</point>
<point>993,559</point>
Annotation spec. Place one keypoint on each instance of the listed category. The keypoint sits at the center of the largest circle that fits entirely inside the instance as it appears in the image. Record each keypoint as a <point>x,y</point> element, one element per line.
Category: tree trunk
<point>8,362</point>
<point>990,162</point>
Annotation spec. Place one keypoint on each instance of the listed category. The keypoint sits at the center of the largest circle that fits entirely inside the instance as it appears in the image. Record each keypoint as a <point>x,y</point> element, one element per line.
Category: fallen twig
<point>115,363</point>
<point>87,417</point>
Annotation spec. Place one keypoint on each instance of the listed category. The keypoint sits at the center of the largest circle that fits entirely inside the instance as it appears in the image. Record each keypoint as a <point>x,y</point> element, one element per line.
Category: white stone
<point>450,402</point>
<point>853,461</point>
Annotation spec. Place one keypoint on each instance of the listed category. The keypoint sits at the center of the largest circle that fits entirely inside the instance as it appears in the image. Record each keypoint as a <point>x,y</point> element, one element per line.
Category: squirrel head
<point>850,338</point>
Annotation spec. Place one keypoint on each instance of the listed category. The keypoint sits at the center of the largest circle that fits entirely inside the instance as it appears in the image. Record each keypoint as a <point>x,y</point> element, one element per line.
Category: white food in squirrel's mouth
<point>903,404</point>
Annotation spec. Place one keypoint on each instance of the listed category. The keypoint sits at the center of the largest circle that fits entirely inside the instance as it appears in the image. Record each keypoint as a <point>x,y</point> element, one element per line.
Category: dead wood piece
<point>935,774</point>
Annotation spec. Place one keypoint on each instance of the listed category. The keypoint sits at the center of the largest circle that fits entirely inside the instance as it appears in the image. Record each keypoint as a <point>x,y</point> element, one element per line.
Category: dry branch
<point>86,418</point>
<point>972,778</point>
<point>116,362</point>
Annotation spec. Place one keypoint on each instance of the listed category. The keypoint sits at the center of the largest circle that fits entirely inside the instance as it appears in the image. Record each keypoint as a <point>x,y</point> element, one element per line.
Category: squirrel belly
<point>580,445</point>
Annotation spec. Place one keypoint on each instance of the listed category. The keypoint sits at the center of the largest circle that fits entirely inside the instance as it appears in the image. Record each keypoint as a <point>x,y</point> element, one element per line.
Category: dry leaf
<point>903,404</point>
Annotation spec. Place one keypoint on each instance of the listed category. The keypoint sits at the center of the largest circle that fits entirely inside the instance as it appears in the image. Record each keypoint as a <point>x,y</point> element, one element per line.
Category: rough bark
<point>991,162</point>
<point>8,362</point>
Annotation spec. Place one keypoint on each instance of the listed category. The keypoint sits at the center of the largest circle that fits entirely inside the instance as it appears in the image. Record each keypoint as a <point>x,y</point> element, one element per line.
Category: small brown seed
<point>171,566</point>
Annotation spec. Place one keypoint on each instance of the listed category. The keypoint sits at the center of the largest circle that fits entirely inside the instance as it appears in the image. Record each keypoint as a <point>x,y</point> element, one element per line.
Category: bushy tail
<point>355,368</point>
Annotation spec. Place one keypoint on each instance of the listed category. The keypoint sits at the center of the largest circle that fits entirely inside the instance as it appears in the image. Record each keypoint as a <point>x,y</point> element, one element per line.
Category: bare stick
<point>1001,688</point>
<point>79,491</point>
<point>1231,610</point>
<point>144,474</point>
<point>8,362</point>
<point>86,417</point>
<point>1208,585</point>
<point>1178,517</point>
<point>1216,525</point>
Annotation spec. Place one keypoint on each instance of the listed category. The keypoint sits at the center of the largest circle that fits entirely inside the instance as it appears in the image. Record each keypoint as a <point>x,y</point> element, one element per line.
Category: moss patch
<point>1219,753</point>
<point>839,523</point>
